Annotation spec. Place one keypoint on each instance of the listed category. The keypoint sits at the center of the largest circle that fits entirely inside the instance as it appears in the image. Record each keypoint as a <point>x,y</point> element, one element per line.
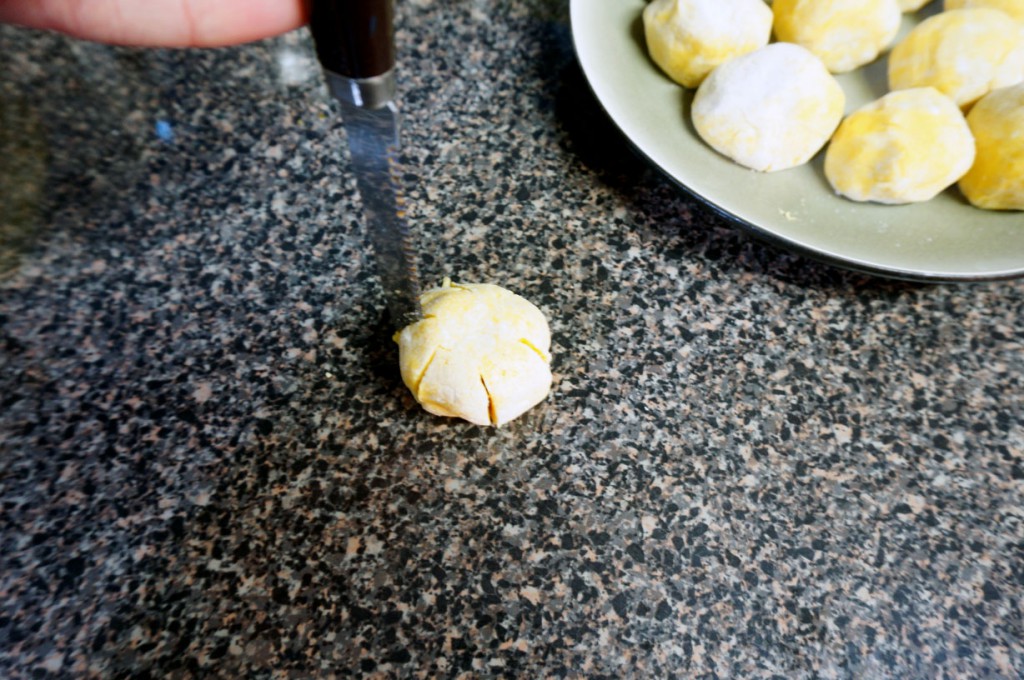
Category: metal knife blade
<point>356,49</point>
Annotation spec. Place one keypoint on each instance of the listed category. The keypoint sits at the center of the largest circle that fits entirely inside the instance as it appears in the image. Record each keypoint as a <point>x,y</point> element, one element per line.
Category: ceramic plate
<point>945,239</point>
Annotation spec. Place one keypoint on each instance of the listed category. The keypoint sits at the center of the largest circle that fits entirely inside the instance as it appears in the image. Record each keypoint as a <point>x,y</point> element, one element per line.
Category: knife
<point>356,48</point>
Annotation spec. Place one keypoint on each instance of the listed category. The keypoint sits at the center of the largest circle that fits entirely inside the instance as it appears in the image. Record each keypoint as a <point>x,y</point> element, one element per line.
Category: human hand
<point>159,23</point>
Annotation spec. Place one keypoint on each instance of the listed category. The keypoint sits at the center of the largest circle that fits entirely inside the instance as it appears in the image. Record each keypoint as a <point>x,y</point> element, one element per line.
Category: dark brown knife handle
<point>354,38</point>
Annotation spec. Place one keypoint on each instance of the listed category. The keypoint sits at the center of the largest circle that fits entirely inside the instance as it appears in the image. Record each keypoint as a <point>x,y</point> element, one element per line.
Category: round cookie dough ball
<point>963,53</point>
<point>903,148</point>
<point>845,34</point>
<point>769,110</point>
<point>689,38</point>
<point>1015,8</point>
<point>996,180</point>
<point>480,352</point>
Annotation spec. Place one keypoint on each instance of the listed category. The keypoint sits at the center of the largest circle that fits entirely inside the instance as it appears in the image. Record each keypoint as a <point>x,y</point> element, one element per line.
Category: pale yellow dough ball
<point>689,38</point>
<point>996,180</point>
<point>963,53</point>
<point>845,34</point>
<point>480,352</point>
<point>769,110</point>
<point>903,148</point>
<point>1015,8</point>
<point>912,5</point>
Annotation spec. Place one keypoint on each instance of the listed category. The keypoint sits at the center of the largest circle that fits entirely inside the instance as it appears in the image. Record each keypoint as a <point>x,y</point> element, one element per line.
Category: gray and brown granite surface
<point>751,465</point>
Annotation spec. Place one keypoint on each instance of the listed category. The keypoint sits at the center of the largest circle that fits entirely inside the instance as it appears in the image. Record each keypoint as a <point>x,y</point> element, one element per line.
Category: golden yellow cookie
<point>903,148</point>
<point>963,53</point>
<point>689,38</point>
<point>480,352</point>
<point>845,34</point>
<point>769,110</point>
<point>1015,8</point>
<point>996,180</point>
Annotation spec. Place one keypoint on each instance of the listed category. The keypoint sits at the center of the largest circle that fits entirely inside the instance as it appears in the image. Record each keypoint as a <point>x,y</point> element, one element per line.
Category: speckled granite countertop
<point>751,465</point>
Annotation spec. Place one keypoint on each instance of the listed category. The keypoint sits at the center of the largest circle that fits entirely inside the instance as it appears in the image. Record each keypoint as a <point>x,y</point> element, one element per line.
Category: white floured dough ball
<point>689,38</point>
<point>902,148</point>
<point>845,34</point>
<point>480,352</point>
<point>769,110</point>
<point>996,180</point>
<point>963,53</point>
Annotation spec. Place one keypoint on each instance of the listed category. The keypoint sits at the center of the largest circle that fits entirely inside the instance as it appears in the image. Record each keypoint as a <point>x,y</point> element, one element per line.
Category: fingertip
<point>220,22</point>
